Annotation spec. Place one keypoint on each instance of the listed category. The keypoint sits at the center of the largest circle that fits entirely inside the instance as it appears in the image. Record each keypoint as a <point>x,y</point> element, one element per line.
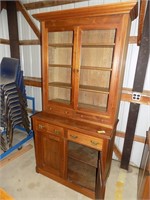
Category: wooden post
<point>13,29</point>
<point>141,68</point>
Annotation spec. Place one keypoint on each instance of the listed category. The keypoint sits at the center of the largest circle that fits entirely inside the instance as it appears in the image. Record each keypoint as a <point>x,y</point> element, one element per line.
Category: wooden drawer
<point>56,130</point>
<point>43,126</point>
<point>87,140</point>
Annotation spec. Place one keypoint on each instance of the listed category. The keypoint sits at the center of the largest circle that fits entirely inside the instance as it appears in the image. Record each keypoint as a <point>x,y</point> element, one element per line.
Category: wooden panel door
<point>50,153</point>
<point>60,50</point>
<point>97,49</point>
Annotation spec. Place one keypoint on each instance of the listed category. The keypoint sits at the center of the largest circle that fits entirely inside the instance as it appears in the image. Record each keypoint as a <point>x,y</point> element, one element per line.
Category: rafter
<point>23,10</point>
<point>2,5</point>
<point>50,3</point>
<point>141,20</point>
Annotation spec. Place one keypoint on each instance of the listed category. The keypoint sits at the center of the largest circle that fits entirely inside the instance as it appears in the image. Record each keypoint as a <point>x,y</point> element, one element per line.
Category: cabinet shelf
<point>81,174</point>
<point>60,45</point>
<point>96,45</point>
<point>60,84</point>
<point>81,87</point>
<point>82,67</point>
<point>58,65</point>
<point>83,154</point>
<point>94,89</point>
<point>96,68</point>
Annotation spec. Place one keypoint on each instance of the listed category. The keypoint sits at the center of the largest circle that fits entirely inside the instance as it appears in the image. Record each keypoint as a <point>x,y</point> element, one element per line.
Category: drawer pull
<point>74,136</point>
<point>41,126</point>
<point>57,132</point>
<point>101,132</point>
<point>94,143</point>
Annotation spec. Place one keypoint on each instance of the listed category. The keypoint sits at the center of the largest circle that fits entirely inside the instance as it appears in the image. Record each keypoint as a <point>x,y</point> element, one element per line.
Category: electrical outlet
<point>136,96</point>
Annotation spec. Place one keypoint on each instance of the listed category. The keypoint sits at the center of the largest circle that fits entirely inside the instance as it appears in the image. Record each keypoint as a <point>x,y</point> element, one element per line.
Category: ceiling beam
<point>50,3</point>
<point>23,10</point>
<point>2,5</point>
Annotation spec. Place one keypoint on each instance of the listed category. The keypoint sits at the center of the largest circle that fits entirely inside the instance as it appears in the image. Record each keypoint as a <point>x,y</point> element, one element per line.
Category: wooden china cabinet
<point>83,58</point>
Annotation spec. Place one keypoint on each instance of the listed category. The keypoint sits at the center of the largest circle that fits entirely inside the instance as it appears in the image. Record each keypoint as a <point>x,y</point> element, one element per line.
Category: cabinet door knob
<point>94,143</point>
<point>101,132</point>
<point>41,126</point>
<point>57,132</point>
<point>74,136</point>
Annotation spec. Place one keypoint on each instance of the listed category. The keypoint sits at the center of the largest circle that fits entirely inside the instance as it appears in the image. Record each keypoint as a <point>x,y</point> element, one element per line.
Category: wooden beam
<point>21,8</point>
<point>138,85</point>
<point>137,138</point>
<point>143,4</point>
<point>4,41</point>
<point>117,152</point>
<point>133,40</point>
<point>29,42</point>
<point>32,81</point>
<point>127,96</point>
<point>43,4</point>
<point>13,29</point>
<point>21,42</point>
<point>15,155</point>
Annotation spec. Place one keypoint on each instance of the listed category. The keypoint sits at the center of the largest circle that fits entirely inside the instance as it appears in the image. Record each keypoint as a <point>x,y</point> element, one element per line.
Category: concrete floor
<point>21,181</point>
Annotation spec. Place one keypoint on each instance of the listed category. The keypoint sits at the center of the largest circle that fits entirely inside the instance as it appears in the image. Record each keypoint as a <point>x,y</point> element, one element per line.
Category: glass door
<point>97,50</point>
<point>60,49</point>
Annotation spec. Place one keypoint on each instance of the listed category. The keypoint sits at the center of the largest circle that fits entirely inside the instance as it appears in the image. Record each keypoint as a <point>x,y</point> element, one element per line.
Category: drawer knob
<point>101,132</point>
<point>41,126</point>
<point>74,136</point>
<point>57,132</point>
<point>94,143</point>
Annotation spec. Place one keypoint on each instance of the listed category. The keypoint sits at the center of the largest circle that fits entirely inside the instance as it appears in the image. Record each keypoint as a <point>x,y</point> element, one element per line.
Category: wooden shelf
<point>96,45</point>
<point>61,101</point>
<point>82,67</point>
<point>96,68</point>
<point>94,89</point>
<point>83,154</point>
<point>58,65</point>
<point>60,45</point>
<point>60,84</point>
<point>81,174</point>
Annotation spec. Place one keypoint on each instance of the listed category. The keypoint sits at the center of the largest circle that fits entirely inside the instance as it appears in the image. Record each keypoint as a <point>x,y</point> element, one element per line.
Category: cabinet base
<point>84,191</point>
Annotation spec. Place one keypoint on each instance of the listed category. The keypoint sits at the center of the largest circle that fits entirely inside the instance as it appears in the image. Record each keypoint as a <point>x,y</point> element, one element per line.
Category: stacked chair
<point>13,103</point>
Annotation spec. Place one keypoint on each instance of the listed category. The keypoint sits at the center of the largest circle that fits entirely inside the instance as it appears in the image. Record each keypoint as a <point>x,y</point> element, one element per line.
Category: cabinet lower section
<point>70,154</point>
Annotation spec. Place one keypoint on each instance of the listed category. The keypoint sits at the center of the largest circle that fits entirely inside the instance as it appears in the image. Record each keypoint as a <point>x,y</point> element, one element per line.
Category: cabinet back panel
<point>98,36</point>
<point>62,95</point>
<point>60,37</point>
<point>96,101</point>
<point>60,55</point>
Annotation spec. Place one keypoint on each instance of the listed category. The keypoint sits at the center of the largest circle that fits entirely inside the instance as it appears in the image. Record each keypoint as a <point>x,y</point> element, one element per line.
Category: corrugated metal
<point>31,64</point>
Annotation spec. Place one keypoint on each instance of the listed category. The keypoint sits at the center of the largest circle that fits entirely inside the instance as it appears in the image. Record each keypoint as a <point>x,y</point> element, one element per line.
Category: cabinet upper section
<point>83,58</point>
<point>129,7</point>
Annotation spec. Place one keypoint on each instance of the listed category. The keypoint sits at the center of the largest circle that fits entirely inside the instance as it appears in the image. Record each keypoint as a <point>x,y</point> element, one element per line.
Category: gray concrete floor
<point>19,179</point>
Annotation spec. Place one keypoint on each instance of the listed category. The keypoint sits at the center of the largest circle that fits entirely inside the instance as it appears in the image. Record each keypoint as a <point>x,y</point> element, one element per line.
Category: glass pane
<point>60,47</point>
<point>96,68</point>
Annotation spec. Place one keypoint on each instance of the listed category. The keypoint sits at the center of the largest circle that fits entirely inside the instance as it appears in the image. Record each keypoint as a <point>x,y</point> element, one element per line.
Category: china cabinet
<point>83,58</point>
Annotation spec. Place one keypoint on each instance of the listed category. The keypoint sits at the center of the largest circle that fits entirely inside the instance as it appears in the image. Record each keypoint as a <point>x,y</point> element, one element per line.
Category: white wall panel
<point>81,4</point>
<point>4,49</point>
<point>4,25</point>
<point>130,66</point>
